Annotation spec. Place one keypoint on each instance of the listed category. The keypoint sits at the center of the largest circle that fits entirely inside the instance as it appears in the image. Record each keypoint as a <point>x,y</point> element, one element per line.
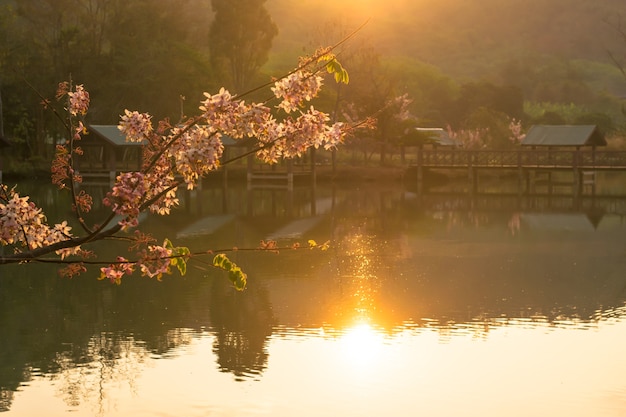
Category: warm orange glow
<point>362,345</point>
<point>359,280</point>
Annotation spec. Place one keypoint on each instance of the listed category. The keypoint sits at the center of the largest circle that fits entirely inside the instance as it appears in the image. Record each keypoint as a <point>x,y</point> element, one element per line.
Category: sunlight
<point>362,345</point>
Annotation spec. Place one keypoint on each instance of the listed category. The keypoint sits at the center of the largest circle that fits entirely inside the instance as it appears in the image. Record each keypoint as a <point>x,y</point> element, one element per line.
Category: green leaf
<point>181,264</point>
<point>179,256</point>
<point>238,278</point>
<point>334,67</point>
<point>345,77</point>
<point>221,261</point>
<point>235,274</point>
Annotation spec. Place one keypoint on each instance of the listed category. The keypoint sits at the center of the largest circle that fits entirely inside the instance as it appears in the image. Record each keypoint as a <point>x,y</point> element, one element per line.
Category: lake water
<point>444,304</point>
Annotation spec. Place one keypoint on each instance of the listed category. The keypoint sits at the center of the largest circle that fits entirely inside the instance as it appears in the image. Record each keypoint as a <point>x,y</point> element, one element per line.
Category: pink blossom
<point>23,223</point>
<point>126,197</point>
<point>297,88</point>
<point>156,262</point>
<point>79,101</point>
<point>116,271</point>
<point>135,126</point>
<point>196,152</point>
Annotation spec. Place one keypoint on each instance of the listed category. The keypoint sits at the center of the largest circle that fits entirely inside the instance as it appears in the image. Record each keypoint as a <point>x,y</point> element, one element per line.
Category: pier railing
<point>553,159</point>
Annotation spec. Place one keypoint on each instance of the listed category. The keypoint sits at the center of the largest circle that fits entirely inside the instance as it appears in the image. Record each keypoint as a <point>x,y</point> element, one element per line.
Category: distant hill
<point>463,38</point>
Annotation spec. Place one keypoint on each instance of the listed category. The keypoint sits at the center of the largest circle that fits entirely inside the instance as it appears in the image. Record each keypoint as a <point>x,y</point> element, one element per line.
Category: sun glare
<point>362,345</point>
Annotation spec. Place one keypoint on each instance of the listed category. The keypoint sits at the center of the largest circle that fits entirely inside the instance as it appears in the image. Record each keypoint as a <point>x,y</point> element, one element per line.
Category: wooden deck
<point>533,167</point>
<point>523,159</point>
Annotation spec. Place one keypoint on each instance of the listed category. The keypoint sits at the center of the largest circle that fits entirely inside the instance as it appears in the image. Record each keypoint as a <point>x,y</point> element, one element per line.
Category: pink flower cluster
<point>135,126</point>
<point>517,134</point>
<point>469,138</point>
<point>292,137</point>
<point>286,139</point>
<point>295,89</point>
<point>163,191</point>
<point>22,223</point>
<point>79,101</point>
<point>154,262</point>
<point>133,190</point>
<point>127,196</point>
<point>224,113</point>
<point>116,271</point>
<point>196,152</point>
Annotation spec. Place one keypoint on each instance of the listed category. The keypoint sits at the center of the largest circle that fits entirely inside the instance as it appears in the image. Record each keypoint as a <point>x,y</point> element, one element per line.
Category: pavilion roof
<point>564,135</point>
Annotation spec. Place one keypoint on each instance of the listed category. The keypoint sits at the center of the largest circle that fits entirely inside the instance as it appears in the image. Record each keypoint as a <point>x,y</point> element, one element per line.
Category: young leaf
<point>235,274</point>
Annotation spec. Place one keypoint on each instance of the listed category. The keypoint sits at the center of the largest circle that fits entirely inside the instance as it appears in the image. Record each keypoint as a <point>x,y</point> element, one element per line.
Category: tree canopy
<point>240,40</point>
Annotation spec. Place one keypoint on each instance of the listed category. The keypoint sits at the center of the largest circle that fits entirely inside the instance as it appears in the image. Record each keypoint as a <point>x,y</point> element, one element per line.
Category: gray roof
<point>564,135</point>
<point>112,134</point>
<point>438,135</point>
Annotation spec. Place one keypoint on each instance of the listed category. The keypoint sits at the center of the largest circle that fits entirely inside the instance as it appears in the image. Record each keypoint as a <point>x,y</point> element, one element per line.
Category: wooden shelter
<point>106,152</point>
<point>560,136</point>
<point>435,136</point>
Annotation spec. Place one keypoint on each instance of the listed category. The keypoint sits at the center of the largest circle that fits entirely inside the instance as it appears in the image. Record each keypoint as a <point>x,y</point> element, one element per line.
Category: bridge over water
<point>532,166</point>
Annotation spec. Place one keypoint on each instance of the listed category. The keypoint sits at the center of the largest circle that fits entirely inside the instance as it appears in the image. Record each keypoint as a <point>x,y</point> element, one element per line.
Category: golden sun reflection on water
<point>359,281</point>
<point>361,346</point>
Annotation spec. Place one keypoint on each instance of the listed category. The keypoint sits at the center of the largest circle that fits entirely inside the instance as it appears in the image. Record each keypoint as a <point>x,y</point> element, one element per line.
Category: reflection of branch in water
<point>515,223</point>
<point>240,355</point>
<point>106,360</point>
<point>462,218</point>
<point>243,322</point>
<point>6,398</point>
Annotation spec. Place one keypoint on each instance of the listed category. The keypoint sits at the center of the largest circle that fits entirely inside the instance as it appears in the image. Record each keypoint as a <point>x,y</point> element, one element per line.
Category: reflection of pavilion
<point>572,222</point>
<point>206,226</point>
<point>492,202</point>
<point>273,213</point>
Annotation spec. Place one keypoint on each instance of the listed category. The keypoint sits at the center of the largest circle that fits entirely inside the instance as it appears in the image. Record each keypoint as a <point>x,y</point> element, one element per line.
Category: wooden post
<point>474,179</point>
<point>290,175</point>
<point>520,175</point>
<point>550,185</point>
<point>313,167</point>
<point>577,173</point>
<point>420,173</point>
<point>471,173</point>
<point>249,171</point>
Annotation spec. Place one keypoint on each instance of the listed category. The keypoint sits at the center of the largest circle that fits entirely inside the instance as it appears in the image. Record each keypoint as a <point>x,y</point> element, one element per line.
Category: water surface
<point>443,304</point>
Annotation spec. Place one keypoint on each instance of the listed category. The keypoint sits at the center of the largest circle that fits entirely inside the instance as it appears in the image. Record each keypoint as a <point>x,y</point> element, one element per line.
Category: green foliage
<point>240,39</point>
<point>314,245</point>
<point>135,54</point>
<point>235,274</point>
<point>552,113</point>
<point>179,256</point>
<point>495,125</point>
<point>502,99</point>
<point>334,67</point>
<point>431,91</point>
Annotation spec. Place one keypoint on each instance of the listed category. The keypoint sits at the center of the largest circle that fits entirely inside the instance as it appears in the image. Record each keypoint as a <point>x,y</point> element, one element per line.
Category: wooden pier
<point>533,167</point>
<point>261,175</point>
